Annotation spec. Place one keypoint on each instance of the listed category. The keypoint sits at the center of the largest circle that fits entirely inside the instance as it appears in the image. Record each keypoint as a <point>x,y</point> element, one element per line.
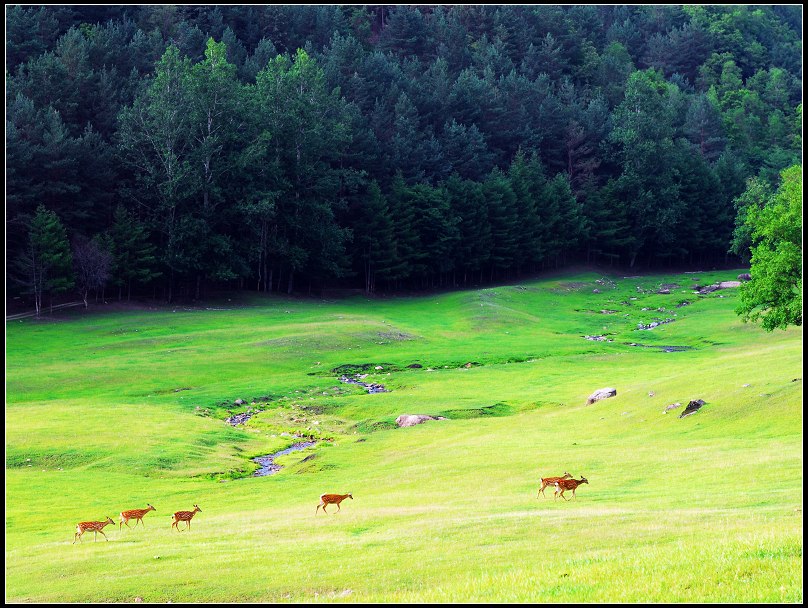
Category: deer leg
<point>324,511</point>
<point>104,535</point>
<point>338,508</point>
<point>564,497</point>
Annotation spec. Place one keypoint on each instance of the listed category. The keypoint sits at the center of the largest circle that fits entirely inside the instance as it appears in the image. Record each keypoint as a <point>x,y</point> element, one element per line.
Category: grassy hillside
<point>110,411</point>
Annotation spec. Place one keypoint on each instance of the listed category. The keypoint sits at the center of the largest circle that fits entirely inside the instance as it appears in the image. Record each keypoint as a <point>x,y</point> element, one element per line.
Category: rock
<point>603,393</point>
<point>415,366</point>
<point>378,367</point>
<point>672,406</point>
<point>745,277</point>
<point>707,289</point>
<point>664,291</point>
<point>238,402</point>
<point>413,419</point>
<point>651,393</point>
<point>692,407</point>
<point>729,284</point>
<point>596,291</point>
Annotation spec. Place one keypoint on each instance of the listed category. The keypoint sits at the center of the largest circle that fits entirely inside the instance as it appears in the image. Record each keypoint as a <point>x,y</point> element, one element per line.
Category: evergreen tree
<point>44,267</point>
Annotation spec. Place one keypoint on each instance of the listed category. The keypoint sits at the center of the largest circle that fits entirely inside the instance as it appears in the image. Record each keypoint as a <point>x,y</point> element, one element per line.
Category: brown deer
<point>95,526</point>
<point>136,514</point>
<point>568,484</point>
<point>185,516</point>
<point>331,499</point>
<point>550,481</point>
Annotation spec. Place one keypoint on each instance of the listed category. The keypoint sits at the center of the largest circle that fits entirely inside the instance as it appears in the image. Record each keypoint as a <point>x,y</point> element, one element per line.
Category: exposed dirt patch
<point>396,336</point>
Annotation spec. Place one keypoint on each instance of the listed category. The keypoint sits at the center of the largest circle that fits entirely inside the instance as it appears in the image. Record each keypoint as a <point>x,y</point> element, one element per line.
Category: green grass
<point>106,412</point>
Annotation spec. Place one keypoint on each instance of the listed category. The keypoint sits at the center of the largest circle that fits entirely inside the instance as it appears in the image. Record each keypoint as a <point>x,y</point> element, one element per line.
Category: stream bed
<point>268,466</point>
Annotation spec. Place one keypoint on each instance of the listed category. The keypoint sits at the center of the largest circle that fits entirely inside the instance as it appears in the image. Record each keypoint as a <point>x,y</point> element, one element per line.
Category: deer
<point>568,484</point>
<point>95,526</point>
<point>549,481</point>
<point>185,516</point>
<point>331,499</point>
<point>136,514</point>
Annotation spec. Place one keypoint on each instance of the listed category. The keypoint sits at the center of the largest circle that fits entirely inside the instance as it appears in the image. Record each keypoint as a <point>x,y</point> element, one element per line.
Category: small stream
<point>369,387</point>
<point>268,466</point>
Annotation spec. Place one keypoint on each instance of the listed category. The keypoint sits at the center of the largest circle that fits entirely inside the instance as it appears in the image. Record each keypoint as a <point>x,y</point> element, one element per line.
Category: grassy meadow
<point>112,410</point>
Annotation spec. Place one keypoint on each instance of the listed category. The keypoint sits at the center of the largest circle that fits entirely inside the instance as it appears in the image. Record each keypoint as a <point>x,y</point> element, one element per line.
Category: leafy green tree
<point>156,141</point>
<point>774,295</point>
<point>307,127</point>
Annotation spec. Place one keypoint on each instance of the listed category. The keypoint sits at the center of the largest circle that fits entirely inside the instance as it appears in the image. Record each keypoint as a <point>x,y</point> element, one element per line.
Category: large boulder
<point>729,284</point>
<point>413,419</point>
<point>603,393</point>
<point>692,407</point>
<point>745,277</point>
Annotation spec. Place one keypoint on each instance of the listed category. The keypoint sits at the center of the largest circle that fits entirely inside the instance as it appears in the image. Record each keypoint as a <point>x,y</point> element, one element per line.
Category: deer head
<point>583,479</point>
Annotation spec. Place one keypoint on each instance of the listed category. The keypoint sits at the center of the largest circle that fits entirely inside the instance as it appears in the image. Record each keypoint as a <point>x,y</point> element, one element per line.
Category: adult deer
<point>331,499</point>
<point>95,526</point>
<point>185,516</point>
<point>550,481</point>
<point>136,514</point>
<point>568,484</point>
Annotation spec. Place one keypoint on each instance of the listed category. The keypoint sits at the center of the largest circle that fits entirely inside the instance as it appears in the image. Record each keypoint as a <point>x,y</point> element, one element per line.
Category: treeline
<point>280,148</point>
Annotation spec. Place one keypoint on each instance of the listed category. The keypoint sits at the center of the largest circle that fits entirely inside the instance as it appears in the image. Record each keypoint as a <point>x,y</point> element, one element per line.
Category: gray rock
<point>413,419</point>
<point>603,393</point>
<point>745,277</point>
<point>692,407</point>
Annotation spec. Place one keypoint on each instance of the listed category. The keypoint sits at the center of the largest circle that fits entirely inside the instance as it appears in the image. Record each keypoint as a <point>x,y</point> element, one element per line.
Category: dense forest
<point>169,151</point>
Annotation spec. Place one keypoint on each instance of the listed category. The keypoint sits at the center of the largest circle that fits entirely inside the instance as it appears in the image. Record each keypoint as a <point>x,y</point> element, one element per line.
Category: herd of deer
<point>563,483</point>
<point>137,515</point>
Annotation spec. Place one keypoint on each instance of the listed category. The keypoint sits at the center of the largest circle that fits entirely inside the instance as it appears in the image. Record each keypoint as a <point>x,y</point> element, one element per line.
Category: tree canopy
<point>287,148</point>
